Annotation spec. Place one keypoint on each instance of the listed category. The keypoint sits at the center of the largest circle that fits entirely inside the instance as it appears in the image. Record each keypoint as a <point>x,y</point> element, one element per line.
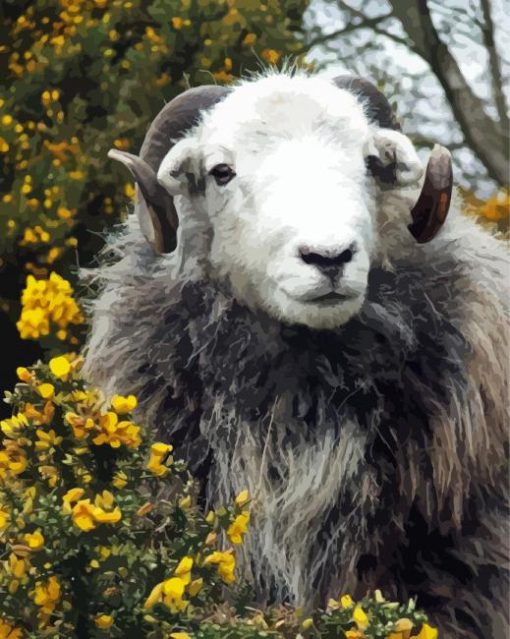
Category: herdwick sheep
<point>305,341</point>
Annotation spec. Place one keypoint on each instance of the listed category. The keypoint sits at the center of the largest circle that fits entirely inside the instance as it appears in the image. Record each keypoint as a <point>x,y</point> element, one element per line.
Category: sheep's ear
<point>392,159</point>
<point>394,162</point>
<point>155,207</point>
<point>179,172</point>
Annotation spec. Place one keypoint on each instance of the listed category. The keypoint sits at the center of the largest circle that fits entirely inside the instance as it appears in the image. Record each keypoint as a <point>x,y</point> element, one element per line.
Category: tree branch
<point>496,77</point>
<point>483,135</point>
<point>365,23</point>
<point>486,137</point>
<point>394,37</point>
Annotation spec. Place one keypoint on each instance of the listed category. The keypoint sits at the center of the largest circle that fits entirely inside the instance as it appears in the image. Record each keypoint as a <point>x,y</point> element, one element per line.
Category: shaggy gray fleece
<point>376,453</point>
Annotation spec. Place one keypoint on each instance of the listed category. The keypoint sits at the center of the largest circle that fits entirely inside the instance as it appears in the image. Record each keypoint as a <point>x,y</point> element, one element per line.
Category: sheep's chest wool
<point>363,412</point>
<point>333,431</point>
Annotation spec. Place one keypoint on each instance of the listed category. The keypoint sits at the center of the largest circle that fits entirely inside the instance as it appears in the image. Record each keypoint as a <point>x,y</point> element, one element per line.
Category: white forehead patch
<point>283,107</point>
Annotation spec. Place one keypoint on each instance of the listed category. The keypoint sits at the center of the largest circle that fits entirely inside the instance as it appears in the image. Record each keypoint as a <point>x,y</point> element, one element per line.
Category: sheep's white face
<point>278,169</point>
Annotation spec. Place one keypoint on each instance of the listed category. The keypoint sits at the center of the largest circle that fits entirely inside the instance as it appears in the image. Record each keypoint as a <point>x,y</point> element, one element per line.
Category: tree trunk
<point>486,137</point>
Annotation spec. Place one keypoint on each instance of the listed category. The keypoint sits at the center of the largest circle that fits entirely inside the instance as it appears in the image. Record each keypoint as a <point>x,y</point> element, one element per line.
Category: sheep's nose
<point>328,261</point>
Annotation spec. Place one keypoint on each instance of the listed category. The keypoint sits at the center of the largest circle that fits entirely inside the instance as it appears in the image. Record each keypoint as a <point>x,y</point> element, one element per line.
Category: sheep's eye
<point>222,173</point>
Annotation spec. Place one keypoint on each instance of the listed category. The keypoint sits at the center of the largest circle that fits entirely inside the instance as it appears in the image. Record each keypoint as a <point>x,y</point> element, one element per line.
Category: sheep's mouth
<point>331,298</point>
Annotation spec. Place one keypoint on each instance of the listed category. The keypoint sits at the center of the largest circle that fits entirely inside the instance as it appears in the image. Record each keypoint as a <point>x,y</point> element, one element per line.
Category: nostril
<point>326,258</point>
<point>345,256</point>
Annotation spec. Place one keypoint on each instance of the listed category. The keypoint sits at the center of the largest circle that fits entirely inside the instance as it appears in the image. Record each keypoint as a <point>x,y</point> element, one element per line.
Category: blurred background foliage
<point>78,77</point>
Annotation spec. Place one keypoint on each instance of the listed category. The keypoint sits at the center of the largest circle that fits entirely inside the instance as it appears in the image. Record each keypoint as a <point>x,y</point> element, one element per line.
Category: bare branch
<point>359,14</point>
<point>364,23</point>
<point>486,137</point>
<point>394,37</point>
<point>483,135</point>
<point>494,64</point>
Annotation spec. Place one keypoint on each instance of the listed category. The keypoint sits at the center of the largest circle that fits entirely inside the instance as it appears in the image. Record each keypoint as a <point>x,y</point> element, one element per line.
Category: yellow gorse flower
<point>60,367</point>
<point>106,512</point>
<point>226,563</point>
<point>50,474</point>
<point>171,591</point>
<point>120,479</point>
<point>307,623</point>
<point>24,375</point>
<point>87,398</point>
<point>47,440</point>
<point>35,540</point>
<point>47,303</point>
<point>360,617</point>
<point>154,597</point>
<point>195,587</point>
<point>173,594</point>
<point>238,528</point>
<point>185,502</point>
<point>271,55</point>
<point>107,429</point>
<point>13,460</point>
<point>159,457</point>
<point>17,566</point>
<point>13,426</point>
<point>4,517</point>
<point>71,497</point>
<point>427,632</point>
<point>242,499</point>
<point>29,496</point>
<point>183,570</point>
<point>122,405</point>
<point>145,509</point>
<point>8,631</point>
<point>84,515</point>
<point>115,433</point>
<point>87,515</point>
<point>103,621</point>
<point>39,417</point>
<point>47,595</point>
<point>46,390</point>
<point>81,425</point>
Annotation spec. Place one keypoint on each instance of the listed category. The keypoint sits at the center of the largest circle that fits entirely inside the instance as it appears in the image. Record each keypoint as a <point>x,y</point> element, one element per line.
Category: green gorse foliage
<point>101,535</point>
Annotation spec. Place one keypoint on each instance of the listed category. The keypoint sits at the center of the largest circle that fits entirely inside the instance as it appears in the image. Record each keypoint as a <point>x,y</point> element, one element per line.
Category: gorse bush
<point>100,534</point>
<point>99,527</point>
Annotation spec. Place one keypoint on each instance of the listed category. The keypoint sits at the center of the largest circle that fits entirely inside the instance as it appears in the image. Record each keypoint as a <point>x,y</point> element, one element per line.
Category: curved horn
<point>176,117</point>
<point>378,108</point>
<point>430,211</point>
<point>158,216</point>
